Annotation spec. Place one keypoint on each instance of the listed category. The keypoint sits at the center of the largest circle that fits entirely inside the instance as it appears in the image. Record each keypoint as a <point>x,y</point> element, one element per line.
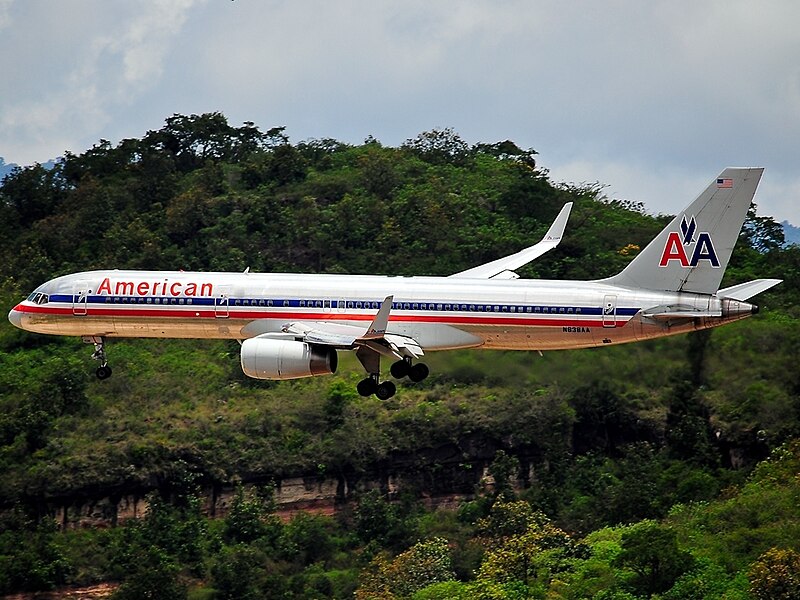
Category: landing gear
<point>371,385</point>
<point>103,371</point>
<point>400,368</point>
<point>404,368</point>
<point>385,390</point>
<point>367,387</point>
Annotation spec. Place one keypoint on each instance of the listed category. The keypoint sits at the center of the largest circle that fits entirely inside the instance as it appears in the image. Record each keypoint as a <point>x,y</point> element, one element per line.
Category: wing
<point>503,268</point>
<point>351,337</point>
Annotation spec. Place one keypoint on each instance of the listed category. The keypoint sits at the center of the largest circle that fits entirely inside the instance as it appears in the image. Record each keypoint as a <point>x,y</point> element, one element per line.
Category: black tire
<point>103,372</point>
<point>385,390</point>
<point>399,369</point>
<point>418,372</point>
<point>367,387</point>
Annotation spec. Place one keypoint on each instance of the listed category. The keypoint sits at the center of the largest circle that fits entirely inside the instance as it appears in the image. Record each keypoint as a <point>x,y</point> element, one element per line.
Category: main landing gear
<point>103,371</point>
<point>385,390</point>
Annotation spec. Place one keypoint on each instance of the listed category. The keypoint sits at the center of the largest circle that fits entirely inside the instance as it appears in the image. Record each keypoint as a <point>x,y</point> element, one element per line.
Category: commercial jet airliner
<point>293,326</point>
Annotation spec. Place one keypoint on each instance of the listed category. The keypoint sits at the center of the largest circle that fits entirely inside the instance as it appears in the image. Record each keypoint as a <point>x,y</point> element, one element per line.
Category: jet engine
<point>267,358</point>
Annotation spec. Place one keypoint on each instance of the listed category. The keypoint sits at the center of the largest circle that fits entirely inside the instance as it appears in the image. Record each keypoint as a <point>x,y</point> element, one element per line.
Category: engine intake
<point>265,358</point>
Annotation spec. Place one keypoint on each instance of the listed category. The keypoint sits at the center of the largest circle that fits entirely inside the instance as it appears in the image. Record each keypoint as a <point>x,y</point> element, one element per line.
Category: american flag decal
<point>724,183</point>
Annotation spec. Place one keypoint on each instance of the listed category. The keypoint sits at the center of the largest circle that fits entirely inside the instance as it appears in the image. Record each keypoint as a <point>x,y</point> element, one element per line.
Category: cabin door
<point>222,302</point>
<point>80,298</point>
<point>610,311</point>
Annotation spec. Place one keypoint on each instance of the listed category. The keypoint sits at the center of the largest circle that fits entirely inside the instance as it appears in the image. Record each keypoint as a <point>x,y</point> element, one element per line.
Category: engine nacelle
<point>265,358</point>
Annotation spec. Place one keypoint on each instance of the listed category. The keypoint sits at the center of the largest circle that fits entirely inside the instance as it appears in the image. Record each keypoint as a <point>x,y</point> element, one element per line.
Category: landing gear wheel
<point>385,390</point>
<point>103,371</point>
<point>418,372</point>
<point>400,369</point>
<point>367,387</point>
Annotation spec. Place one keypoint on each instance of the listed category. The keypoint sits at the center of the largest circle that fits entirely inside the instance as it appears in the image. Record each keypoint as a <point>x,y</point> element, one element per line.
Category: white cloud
<point>5,18</point>
<point>624,92</point>
<point>113,61</point>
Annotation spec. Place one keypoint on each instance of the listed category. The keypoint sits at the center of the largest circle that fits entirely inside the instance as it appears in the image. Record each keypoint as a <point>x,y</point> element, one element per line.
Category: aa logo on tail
<point>683,247</point>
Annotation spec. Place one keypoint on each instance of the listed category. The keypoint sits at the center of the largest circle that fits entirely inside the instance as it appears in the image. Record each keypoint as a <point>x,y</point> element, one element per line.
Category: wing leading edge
<point>503,268</point>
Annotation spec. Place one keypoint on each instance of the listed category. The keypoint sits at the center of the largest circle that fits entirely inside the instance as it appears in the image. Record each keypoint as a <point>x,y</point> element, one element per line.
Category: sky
<point>650,99</point>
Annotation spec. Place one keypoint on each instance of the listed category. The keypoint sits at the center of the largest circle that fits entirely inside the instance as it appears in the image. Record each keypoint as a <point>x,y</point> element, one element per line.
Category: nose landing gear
<point>103,371</point>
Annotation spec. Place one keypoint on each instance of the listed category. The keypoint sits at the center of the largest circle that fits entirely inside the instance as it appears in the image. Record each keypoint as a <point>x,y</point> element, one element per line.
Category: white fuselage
<point>438,312</point>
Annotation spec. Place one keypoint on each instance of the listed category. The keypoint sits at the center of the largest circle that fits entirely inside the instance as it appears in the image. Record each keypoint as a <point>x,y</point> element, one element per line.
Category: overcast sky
<point>652,99</point>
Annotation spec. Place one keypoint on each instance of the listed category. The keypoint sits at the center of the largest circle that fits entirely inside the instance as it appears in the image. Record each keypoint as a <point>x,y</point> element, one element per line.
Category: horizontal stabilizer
<point>503,268</point>
<point>744,291</point>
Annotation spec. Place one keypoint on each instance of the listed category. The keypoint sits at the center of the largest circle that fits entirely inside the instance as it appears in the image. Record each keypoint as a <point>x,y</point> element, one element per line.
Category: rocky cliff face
<point>442,476</point>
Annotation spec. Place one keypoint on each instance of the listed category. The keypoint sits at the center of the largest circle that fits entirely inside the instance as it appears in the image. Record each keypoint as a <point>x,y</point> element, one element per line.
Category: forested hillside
<point>664,469</point>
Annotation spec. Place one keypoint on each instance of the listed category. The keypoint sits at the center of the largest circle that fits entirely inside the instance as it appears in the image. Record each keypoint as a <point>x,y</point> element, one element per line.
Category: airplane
<point>293,325</point>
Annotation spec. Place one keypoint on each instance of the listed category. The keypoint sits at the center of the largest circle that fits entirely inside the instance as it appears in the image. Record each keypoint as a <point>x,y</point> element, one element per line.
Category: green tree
<point>439,147</point>
<point>505,472</point>
<point>251,517</point>
<point>651,551</point>
<point>425,563</point>
<point>776,575</point>
<point>30,557</point>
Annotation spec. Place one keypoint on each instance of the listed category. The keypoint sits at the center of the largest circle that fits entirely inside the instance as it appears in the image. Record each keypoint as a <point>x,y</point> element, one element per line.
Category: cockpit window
<point>38,298</point>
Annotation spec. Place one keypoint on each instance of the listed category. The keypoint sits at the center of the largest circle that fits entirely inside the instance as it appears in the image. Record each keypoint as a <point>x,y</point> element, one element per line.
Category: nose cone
<point>15,317</point>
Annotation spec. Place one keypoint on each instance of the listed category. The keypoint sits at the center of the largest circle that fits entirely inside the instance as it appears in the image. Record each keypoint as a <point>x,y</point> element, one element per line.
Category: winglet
<point>377,328</point>
<point>503,268</point>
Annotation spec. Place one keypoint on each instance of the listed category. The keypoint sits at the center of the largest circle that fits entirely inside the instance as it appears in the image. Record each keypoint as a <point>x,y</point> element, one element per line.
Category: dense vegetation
<point>626,472</point>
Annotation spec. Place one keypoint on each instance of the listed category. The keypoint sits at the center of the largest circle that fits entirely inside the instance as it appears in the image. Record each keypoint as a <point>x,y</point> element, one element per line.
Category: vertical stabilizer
<point>691,253</point>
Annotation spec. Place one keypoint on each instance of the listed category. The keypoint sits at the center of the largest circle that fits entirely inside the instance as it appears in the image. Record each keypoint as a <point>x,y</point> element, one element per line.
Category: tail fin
<point>691,253</point>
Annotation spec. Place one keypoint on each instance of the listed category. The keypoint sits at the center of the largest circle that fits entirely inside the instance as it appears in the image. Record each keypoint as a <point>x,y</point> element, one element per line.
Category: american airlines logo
<point>154,288</point>
<point>688,251</point>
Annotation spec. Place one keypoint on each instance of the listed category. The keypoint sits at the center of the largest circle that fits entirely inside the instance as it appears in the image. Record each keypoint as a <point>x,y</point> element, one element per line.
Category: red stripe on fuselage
<point>196,313</point>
